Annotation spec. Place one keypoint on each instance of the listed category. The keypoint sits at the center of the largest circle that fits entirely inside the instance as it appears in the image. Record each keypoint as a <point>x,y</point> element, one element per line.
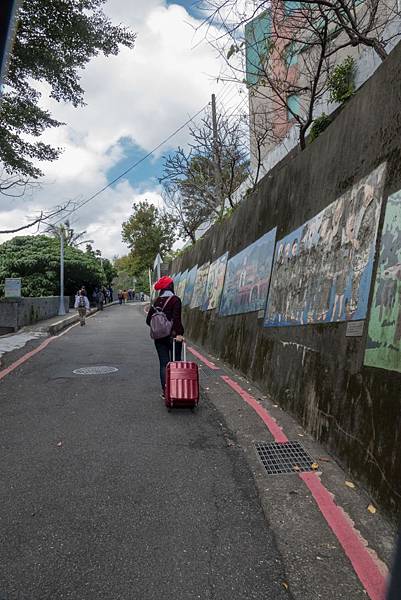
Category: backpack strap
<point>165,304</point>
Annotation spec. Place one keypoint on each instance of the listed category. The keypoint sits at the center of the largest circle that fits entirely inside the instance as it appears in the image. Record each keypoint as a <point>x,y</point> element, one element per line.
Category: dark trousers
<point>164,348</point>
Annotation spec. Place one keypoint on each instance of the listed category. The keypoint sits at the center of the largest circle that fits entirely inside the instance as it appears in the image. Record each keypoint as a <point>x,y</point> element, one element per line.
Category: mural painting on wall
<point>248,276</point>
<point>384,334</point>
<point>322,270</point>
<point>215,282</point>
<point>189,288</point>
<point>181,285</point>
<point>198,296</point>
<point>176,278</point>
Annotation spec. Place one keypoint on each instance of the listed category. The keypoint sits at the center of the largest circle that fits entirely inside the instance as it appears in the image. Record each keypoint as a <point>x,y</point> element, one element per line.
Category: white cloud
<point>143,94</point>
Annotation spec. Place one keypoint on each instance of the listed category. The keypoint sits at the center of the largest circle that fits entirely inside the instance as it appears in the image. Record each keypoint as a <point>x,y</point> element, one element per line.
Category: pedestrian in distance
<point>100,299</point>
<point>125,296</point>
<point>111,294</point>
<point>120,297</point>
<point>82,305</point>
<point>170,305</point>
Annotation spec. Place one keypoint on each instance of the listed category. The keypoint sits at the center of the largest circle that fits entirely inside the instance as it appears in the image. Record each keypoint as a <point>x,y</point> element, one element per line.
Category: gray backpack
<point>160,326</point>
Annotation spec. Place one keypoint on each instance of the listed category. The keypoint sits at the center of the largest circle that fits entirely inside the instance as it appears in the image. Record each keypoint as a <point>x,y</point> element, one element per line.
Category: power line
<point>138,162</point>
<point>233,90</point>
<point>227,91</point>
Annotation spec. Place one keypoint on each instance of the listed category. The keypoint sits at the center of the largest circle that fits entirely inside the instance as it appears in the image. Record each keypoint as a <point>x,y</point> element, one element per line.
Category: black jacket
<point>172,311</point>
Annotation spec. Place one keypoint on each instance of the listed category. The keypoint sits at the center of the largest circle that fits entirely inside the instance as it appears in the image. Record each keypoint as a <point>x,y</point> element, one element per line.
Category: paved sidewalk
<point>15,341</point>
<point>316,563</point>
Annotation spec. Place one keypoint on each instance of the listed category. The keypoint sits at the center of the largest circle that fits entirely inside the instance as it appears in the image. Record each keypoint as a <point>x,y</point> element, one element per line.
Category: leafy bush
<point>36,259</point>
<point>341,83</point>
<point>318,126</point>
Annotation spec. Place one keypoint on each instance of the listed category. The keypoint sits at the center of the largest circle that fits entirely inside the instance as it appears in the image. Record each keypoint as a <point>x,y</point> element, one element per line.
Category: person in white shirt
<point>82,304</point>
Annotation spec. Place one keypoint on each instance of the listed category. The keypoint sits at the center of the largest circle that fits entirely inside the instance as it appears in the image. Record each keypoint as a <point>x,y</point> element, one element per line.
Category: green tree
<point>110,272</point>
<point>36,259</point>
<point>147,232</point>
<point>126,267</point>
<point>55,40</point>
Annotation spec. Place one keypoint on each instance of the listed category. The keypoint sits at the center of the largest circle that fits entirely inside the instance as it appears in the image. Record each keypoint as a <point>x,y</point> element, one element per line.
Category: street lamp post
<point>157,265</point>
<point>61,309</point>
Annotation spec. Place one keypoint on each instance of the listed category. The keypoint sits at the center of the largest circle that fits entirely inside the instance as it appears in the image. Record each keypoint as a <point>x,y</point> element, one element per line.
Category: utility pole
<point>61,310</point>
<point>150,284</point>
<point>216,156</point>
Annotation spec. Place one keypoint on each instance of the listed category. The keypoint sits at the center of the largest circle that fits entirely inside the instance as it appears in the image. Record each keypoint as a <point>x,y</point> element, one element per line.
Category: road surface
<point>105,495</point>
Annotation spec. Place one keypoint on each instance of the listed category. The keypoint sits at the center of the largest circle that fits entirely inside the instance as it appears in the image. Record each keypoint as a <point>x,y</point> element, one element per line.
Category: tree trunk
<point>302,138</point>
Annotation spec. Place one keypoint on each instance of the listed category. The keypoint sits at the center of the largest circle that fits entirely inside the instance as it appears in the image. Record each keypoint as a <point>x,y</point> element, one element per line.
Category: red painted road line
<point>370,571</point>
<point>24,358</point>
<point>207,362</point>
<point>365,566</point>
<point>271,424</point>
<point>29,355</point>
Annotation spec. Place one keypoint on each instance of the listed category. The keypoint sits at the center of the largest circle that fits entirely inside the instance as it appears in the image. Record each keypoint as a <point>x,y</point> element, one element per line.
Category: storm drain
<point>208,373</point>
<point>288,457</point>
<point>95,370</point>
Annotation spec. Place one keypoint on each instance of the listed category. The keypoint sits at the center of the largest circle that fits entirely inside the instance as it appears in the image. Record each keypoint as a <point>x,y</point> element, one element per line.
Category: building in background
<point>274,54</point>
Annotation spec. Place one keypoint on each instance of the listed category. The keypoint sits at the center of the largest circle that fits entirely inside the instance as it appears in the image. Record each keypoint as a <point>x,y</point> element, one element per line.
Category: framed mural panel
<point>176,278</point>
<point>248,277</point>
<point>383,348</point>
<point>189,288</point>
<point>181,285</point>
<point>215,282</point>
<point>322,271</point>
<point>200,286</point>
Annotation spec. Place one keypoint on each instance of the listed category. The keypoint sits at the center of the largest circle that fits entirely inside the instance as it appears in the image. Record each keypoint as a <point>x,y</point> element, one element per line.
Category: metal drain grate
<point>94,370</point>
<point>208,373</point>
<point>289,457</point>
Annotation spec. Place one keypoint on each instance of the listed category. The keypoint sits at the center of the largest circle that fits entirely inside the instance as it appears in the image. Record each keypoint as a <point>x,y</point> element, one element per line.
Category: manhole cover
<point>94,370</point>
<point>289,457</point>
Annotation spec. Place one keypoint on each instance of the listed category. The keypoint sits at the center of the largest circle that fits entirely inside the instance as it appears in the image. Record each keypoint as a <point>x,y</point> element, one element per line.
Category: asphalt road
<point>106,495</point>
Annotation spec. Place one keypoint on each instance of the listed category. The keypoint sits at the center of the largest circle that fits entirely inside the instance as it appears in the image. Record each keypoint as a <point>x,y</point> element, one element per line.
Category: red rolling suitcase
<point>182,382</point>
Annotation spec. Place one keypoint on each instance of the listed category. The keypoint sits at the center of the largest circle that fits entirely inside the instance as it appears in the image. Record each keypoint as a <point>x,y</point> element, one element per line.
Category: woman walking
<point>169,304</point>
<point>82,304</point>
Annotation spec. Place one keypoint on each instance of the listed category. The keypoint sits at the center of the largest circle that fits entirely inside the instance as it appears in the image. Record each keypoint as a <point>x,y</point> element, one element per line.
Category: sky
<point>134,101</point>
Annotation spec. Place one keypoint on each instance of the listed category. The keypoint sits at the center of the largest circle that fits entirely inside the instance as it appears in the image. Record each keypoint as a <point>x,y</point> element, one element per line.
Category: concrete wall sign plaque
<point>12,287</point>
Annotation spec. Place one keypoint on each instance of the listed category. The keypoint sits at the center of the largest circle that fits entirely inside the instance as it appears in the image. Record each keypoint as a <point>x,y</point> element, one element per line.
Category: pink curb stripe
<point>24,358</point>
<point>271,424</point>
<point>371,572</point>
<point>372,577</point>
<point>207,362</point>
<point>29,355</point>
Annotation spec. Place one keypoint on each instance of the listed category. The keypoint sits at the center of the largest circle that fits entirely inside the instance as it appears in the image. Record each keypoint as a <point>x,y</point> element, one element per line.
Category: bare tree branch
<point>43,217</point>
<point>189,177</point>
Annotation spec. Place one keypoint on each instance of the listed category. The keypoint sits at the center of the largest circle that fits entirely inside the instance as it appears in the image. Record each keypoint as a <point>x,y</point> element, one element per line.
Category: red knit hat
<point>163,283</point>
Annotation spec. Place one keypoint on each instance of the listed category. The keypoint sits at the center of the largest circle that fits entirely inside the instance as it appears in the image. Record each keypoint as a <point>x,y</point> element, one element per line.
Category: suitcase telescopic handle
<point>184,345</point>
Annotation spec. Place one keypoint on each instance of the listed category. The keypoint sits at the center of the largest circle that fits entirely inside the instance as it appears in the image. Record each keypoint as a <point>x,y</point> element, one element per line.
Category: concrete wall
<point>315,371</point>
<point>18,312</point>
